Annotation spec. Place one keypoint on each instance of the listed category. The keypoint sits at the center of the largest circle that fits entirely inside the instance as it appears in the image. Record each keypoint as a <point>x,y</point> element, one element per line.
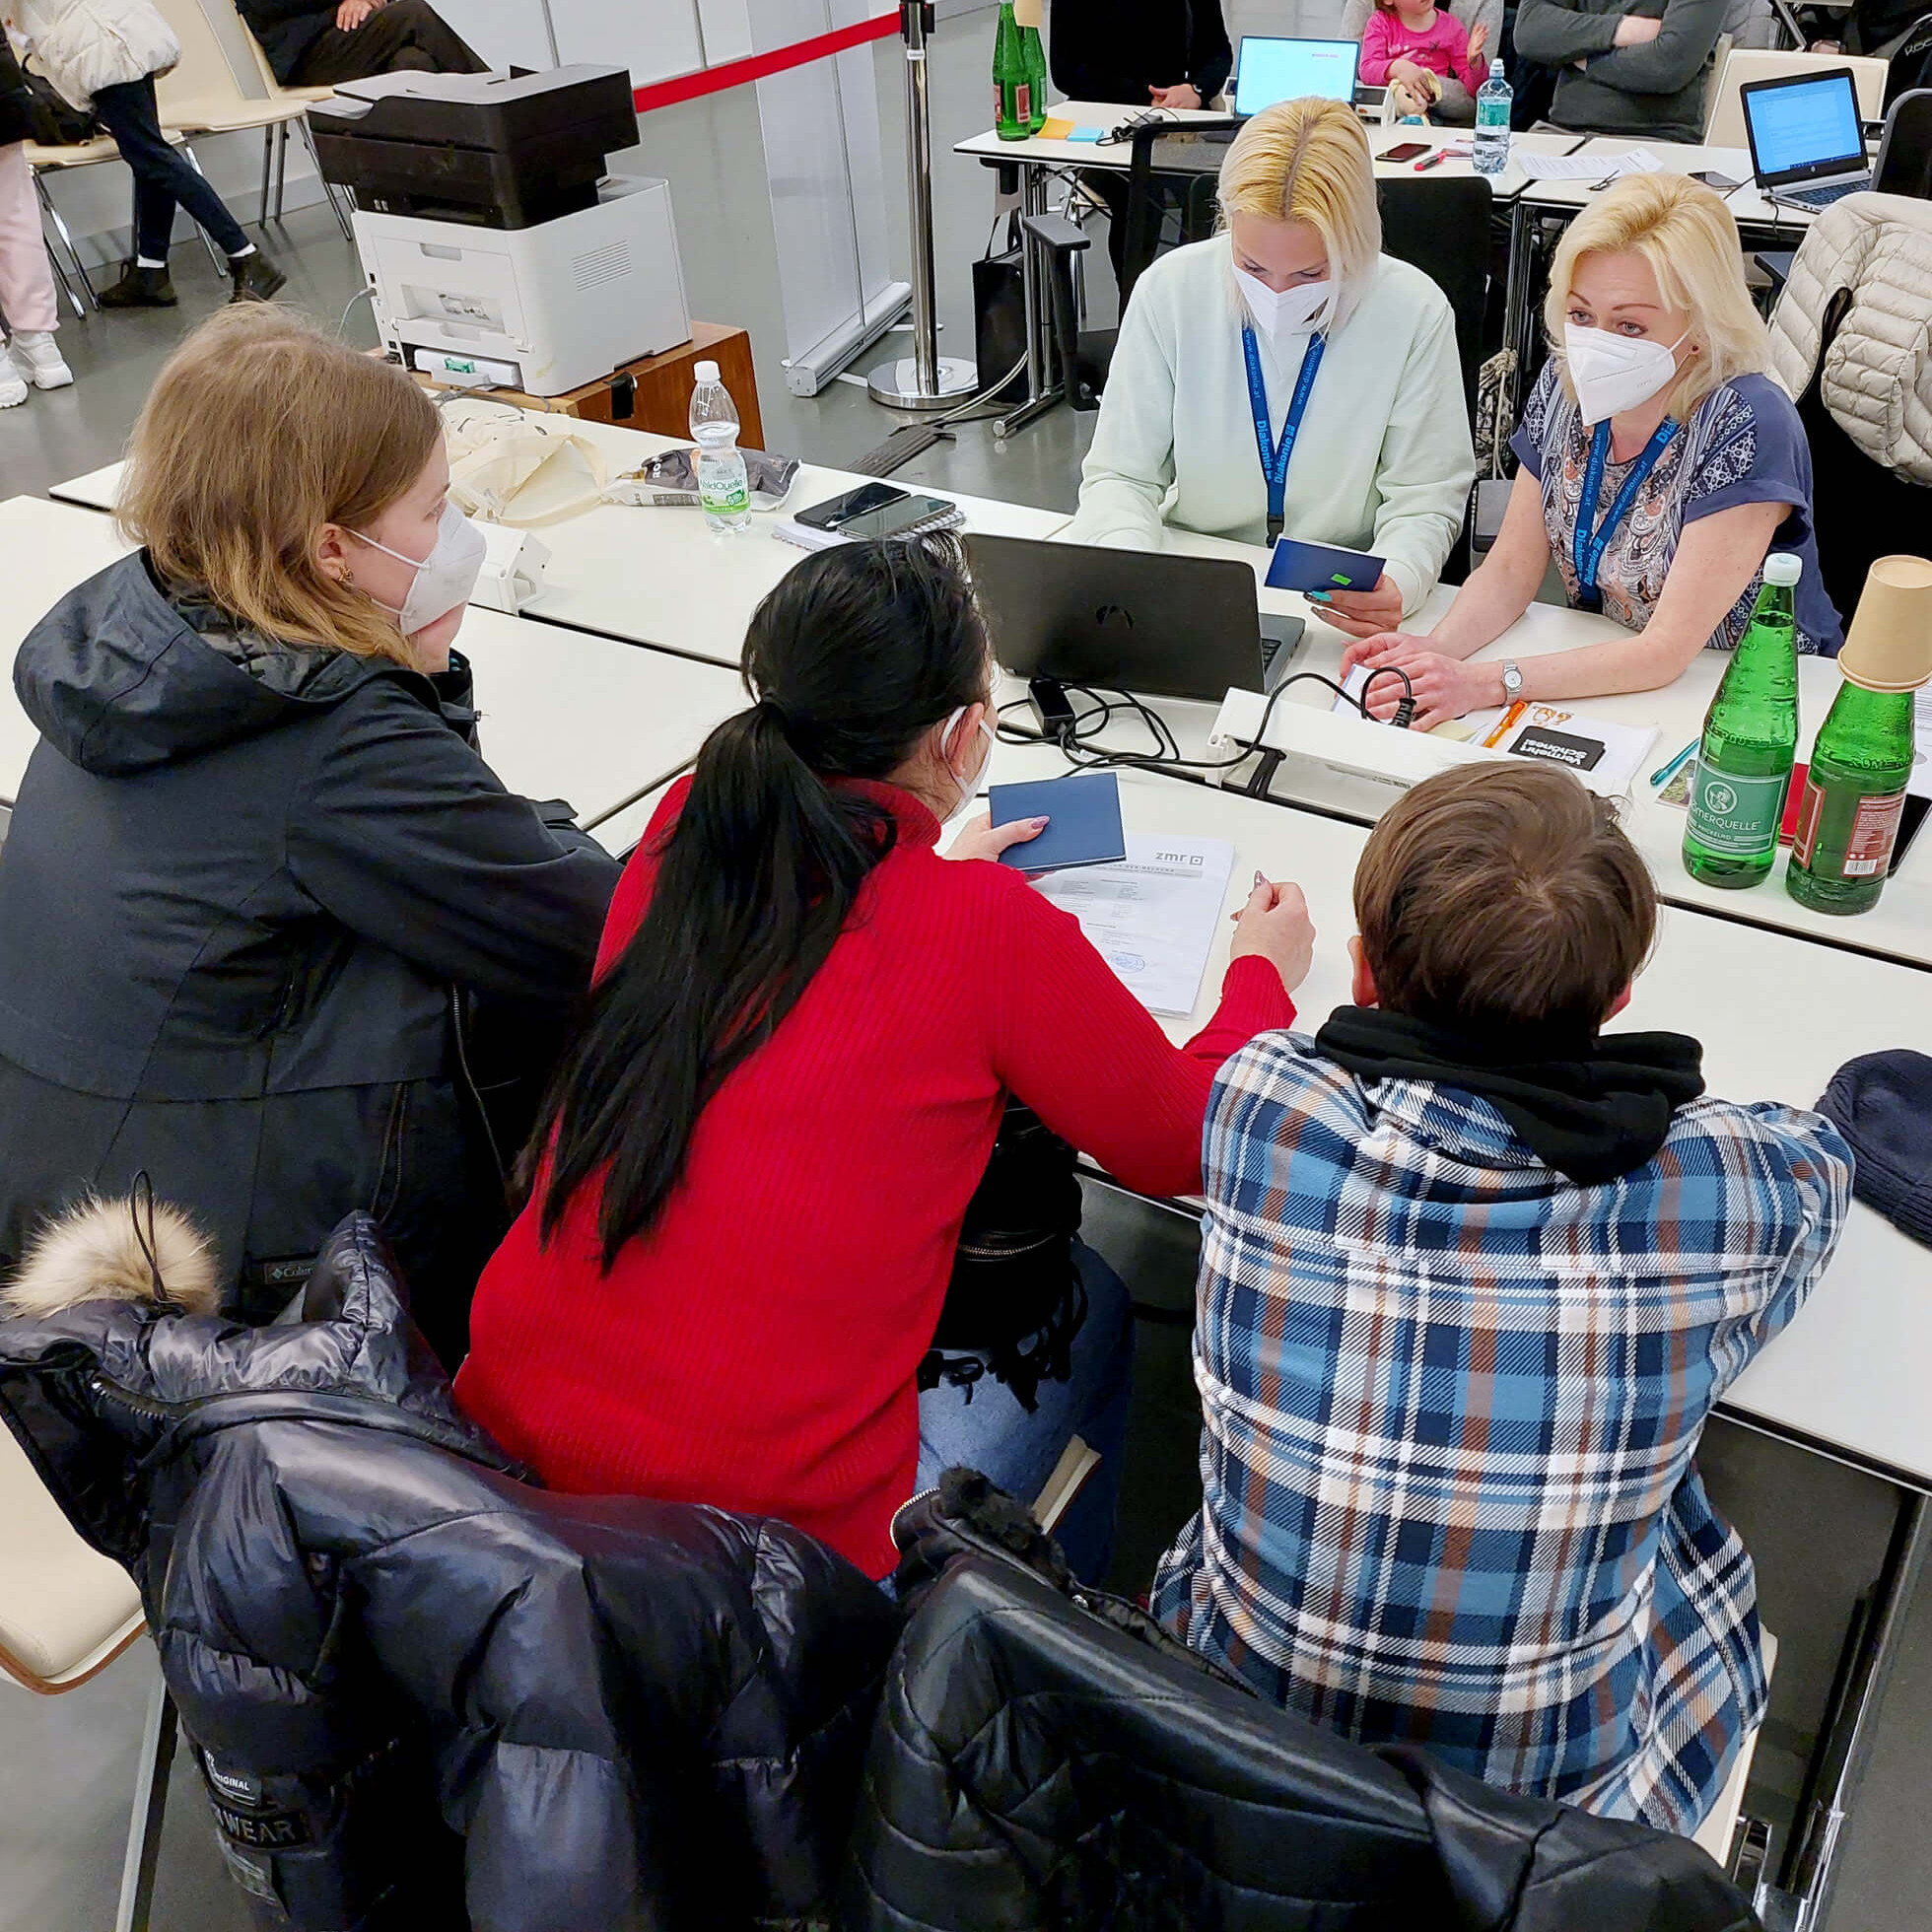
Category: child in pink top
<point>1409,41</point>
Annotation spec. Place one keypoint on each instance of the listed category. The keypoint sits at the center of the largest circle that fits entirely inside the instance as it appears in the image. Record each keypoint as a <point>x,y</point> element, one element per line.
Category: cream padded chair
<point>275,91</point>
<point>203,96</point>
<point>66,1612</point>
<point>1718,1831</point>
<point>1724,124</point>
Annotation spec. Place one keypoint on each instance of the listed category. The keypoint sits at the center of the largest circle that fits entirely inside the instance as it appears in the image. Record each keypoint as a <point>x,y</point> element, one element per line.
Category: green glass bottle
<point>1854,796</point>
<point>1012,91</point>
<point>1743,772</point>
<point>1034,56</point>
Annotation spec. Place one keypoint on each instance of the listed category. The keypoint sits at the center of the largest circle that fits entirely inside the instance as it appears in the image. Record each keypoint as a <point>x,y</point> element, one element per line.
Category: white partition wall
<point>505,33</point>
<point>824,161</point>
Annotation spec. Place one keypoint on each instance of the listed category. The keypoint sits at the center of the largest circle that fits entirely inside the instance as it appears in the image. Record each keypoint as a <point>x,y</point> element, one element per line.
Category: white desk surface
<point>659,576</point>
<point>563,715</point>
<point>1777,1019</point>
<point>1748,204</point>
<point>1900,927</point>
<point>1118,155</point>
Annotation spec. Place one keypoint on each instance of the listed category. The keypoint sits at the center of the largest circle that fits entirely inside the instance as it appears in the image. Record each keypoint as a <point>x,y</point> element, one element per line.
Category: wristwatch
<point>1512,681</point>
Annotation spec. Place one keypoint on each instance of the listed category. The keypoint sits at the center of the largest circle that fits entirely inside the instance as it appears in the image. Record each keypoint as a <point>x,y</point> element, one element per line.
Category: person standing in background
<point>106,55</point>
<point>26,297</point>
<point>1622,69</point>
<point>320,47</point>
<point>1142,53</point>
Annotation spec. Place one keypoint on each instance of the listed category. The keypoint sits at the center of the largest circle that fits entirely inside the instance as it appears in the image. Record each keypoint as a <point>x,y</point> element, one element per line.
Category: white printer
<point>496,249</point>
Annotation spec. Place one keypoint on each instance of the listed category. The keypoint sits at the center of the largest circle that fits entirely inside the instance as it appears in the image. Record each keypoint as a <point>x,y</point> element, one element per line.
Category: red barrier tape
<point>757,66</point>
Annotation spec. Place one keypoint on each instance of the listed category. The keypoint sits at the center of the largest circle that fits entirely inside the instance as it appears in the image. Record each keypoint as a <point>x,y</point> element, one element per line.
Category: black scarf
<point>1593,1107</point>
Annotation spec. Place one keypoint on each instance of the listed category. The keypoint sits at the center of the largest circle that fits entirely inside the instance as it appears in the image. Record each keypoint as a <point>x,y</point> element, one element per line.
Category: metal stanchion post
<point>925,379</point>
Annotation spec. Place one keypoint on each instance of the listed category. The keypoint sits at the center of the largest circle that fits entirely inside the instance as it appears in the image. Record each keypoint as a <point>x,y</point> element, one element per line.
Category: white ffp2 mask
<point>968,788</point>
<point>1613,373</point>
<point>443,579</point>
<point>1284,311</point>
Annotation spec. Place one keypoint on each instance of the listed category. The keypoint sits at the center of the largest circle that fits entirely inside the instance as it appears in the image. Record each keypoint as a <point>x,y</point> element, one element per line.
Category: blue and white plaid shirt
<point>1451,1402</point>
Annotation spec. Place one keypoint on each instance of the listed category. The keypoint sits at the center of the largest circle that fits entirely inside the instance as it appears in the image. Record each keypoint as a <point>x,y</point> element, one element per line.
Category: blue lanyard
<point>1273,456</point>
<point>1588,543</point>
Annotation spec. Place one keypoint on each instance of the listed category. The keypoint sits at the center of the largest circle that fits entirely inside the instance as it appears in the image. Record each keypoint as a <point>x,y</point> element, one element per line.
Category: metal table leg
<point>1042,387</point>
<point>1803,1903</point>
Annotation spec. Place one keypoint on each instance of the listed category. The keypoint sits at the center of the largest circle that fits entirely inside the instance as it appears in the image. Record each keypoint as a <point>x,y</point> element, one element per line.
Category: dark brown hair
<point>1503,895</point>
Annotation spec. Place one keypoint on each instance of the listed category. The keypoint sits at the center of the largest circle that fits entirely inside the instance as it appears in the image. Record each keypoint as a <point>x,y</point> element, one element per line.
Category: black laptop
<point>1807,142</point>
<point>1146,621</point>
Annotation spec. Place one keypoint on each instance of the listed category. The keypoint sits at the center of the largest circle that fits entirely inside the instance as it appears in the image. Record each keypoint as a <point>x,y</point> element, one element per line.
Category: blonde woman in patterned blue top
<point>1661,462</point>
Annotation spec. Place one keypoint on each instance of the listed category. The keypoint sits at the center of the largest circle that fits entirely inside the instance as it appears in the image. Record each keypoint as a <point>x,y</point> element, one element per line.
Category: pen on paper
<point>1505,723</point>
<point>1665,773</point>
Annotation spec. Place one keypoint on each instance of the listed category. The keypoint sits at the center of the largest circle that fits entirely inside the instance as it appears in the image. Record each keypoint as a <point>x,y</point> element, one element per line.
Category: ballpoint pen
<point>1663,775</point>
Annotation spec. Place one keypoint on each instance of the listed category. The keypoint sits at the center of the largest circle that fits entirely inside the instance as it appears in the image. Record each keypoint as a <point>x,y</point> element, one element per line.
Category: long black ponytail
<point>857,653</point>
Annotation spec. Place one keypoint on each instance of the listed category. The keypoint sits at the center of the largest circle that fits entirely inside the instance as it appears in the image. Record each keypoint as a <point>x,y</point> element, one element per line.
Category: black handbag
<point>31,109</point>
<point>1015,1301</point>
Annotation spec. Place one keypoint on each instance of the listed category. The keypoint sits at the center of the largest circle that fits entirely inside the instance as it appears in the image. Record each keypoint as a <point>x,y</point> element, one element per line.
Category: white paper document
<point>1152,917</point>
<point>1586,167</point>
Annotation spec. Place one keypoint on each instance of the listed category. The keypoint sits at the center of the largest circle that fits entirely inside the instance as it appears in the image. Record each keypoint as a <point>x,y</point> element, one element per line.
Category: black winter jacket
<point>242,886</point>
<point>16,104</point>
<point>1049,1761</point>
<point>412,1682</point>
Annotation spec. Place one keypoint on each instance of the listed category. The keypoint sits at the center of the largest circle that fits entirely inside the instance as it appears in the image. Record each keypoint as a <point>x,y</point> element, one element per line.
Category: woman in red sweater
<point>790,1073</point>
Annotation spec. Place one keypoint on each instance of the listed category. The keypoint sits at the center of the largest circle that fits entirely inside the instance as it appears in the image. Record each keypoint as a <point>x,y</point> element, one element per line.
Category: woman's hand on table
<point>1274,926</point>
<point>1185,96</point>
<point>1442,687</point>
<point>980,838</point>
<point>1362,614</point>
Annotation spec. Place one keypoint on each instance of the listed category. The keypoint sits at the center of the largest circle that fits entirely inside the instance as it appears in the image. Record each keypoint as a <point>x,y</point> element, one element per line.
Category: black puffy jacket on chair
<point>1040,1767</point>
<point>416,1686</point>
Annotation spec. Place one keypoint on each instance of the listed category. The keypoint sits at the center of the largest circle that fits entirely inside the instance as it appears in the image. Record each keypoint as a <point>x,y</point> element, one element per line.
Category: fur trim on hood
<point>94,1253</point>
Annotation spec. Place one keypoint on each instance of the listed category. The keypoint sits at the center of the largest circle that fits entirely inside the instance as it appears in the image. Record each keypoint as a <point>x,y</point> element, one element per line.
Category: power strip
<point>1341,740</point>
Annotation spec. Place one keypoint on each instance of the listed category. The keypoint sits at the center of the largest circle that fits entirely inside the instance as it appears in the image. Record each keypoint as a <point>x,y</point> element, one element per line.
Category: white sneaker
<point>13,391</point>
<point>34,356</point>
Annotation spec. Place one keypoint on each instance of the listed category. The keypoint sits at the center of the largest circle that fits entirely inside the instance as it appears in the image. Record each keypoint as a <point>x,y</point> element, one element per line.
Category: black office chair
<point>1442,228</point>
<point>1172,163</point>
<point>1911,61</point>
<point>1860,509</point>
<point>1905,162</point>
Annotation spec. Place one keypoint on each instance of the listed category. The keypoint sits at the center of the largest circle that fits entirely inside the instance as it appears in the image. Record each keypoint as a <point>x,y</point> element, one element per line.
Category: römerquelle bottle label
<point>1736,814</point>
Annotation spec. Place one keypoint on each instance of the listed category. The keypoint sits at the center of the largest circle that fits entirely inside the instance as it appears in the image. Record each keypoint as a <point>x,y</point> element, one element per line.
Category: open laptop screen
<point>1275,70</point>
<point>1804,126</point>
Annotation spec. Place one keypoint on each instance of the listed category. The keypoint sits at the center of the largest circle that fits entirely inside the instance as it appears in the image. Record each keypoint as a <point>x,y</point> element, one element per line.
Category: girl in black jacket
<point>259,877</point>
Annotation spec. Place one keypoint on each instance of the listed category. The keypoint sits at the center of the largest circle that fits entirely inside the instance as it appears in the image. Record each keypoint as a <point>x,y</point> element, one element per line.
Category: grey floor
<point>1817,1529</point>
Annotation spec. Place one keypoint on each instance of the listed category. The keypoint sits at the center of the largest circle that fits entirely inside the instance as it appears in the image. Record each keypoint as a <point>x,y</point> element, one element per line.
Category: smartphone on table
<point>1406,151</point>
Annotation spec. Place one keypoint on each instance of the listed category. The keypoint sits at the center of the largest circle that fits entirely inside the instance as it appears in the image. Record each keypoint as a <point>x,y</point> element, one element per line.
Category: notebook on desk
<point>1807,142</point>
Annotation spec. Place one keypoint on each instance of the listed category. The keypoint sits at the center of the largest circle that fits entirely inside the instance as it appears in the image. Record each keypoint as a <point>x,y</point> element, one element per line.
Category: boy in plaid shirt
<point>1473,1276</point>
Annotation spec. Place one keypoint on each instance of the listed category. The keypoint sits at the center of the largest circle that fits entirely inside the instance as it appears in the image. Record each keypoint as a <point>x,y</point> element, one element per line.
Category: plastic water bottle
<point>1493,100</point>
<point>724,488</point>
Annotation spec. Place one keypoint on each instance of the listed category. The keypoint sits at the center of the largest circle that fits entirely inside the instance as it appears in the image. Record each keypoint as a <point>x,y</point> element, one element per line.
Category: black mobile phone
<point>865,501</point>
<point>1406,151</point>
<point>1711,178</point>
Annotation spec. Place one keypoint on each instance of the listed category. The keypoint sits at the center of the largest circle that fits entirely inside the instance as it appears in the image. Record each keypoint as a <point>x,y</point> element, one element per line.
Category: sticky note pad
<point>1087,134</point>
<point>1053,128</point>
<point>1086,812</point>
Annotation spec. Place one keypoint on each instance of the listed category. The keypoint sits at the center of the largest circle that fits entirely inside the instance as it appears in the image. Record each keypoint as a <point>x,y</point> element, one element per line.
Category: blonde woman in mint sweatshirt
<point>1294,299</point>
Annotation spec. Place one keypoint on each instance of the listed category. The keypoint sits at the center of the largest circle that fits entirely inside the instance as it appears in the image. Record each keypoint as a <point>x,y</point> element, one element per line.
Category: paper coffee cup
<point>1890,644</point>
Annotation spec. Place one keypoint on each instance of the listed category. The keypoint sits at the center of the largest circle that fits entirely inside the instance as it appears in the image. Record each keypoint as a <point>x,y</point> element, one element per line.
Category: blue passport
<point>1086,812</point>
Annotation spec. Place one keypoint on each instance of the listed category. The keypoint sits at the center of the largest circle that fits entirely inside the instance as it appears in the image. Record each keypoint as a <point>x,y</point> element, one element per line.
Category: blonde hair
<point>1309,161</point>
<point>259,431</point>
<point>1685,231</point>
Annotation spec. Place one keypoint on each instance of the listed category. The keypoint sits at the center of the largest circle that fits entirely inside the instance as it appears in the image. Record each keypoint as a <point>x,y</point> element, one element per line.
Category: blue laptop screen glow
<point>1293,70</point>
<point>1800,126</point>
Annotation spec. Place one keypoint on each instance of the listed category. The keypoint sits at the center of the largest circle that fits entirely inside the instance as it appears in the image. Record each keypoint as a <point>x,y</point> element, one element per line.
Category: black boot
<point>140,287</point>
<point>256,277</point>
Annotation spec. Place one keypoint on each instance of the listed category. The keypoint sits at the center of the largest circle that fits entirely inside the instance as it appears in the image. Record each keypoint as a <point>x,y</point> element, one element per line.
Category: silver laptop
<point>1807,144</point>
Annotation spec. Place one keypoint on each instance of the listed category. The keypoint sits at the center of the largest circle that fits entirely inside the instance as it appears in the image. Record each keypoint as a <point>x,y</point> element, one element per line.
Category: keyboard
<point>1824,198</point>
